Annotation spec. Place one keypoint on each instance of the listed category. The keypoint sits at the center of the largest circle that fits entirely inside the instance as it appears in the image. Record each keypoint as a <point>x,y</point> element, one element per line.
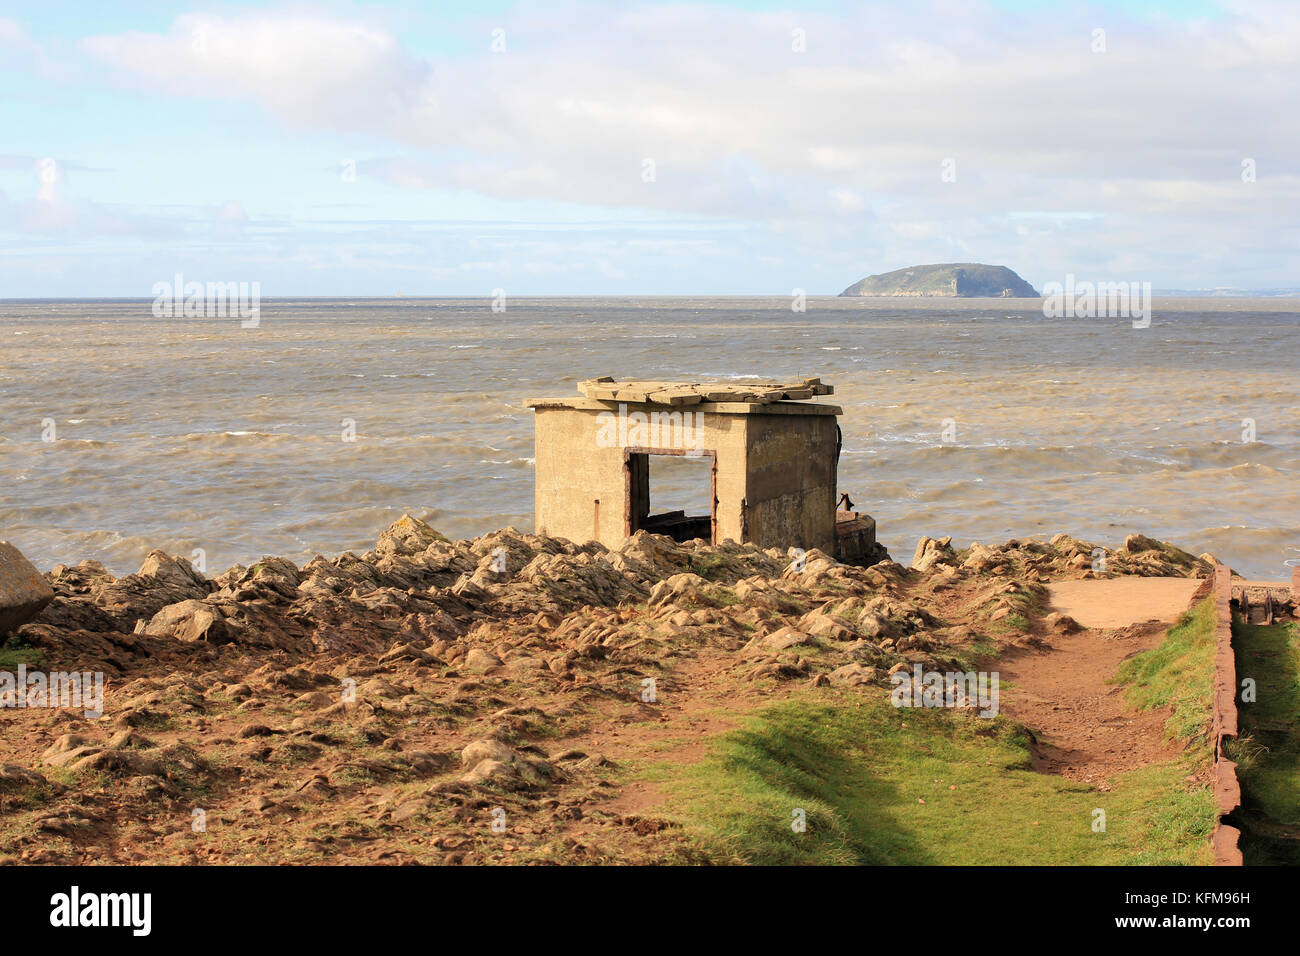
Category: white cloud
<point>1062,155</point>
<point>739,125</point>
<point>307,70</point>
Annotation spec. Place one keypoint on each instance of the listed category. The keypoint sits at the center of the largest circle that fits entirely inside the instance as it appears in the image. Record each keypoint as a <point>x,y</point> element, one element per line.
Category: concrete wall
<point>580,489</point>
<point>790,490</point>
<point>775,479</point>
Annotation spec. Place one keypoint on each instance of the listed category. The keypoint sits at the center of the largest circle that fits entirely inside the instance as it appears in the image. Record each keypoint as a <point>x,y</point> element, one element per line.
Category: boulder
<point>171,571</point>
<point>487,749</point>
<point>189,621</point>
<point>820,624</point>
<point>1060,623</point>
<point>61,758</point>
<point>982,559</point>
<point>779,640</point>
<point>853,675</point>
<point>1140,542</point>
<point>490,761</point>
<point>931,551</point>
<point>872,624</point>
<point>124,762</point>
<point>678,587</point>
<point>480,661</point>
<point>23,592</point>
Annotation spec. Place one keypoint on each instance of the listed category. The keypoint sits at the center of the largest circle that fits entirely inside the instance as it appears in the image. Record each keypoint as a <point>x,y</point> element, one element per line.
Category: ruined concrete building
<point>771,457</point>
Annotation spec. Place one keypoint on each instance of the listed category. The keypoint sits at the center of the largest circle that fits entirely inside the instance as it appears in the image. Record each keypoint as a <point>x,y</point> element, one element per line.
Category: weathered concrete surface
<point>790,479</point>
<point>23,592</point>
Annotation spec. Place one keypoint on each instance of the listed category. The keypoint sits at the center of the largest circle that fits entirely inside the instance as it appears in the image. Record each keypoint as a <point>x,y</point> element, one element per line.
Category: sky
<point>598,148</point>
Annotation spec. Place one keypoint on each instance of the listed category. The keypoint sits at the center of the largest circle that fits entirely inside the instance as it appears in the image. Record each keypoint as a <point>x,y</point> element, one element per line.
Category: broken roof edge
<point>579,403</point>
<point>680,393</point>
<point>732,397</point>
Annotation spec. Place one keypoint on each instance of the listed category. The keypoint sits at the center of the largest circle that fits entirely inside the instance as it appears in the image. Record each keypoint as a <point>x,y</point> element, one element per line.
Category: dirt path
<point>1062,692</point>
<point>1119,602</point>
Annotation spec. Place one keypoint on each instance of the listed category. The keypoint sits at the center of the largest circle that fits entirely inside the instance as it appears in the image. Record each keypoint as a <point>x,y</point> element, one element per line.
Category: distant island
<point>955,279</point>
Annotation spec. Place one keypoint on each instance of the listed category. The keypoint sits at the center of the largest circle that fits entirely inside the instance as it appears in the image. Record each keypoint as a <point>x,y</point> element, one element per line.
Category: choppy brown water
<point>197,434</point>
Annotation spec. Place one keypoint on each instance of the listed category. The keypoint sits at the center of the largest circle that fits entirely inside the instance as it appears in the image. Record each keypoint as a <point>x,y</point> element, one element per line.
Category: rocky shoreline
<point>383,706</point>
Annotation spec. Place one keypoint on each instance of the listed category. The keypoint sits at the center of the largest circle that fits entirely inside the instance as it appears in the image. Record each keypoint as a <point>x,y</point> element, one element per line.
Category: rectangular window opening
<point>684,502</point>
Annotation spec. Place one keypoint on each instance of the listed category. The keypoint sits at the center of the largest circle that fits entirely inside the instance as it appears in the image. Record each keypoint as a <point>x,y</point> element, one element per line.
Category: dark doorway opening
<point>685,502</point>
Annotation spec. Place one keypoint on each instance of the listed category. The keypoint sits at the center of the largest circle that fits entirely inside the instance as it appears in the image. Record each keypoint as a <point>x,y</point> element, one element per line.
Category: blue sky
<point>353,148</point>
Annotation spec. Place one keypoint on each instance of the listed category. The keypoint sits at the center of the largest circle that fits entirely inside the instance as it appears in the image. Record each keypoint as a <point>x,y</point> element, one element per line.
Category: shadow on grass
<point>1268,746</point>
<point>793,788</point>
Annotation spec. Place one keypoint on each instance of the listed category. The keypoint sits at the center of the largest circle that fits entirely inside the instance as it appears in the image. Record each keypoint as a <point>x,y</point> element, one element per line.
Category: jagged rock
<point>124,762</point>
<point>931,551</point>
<point>162,580</point>
<point>190,621</point>
<point>779,640</point>
<point>854,674</point>
<point>982,559</point>
<point>820,624</point>
<point>170,571</point>
<point>491,761</point>
<point>677,588</point>
<point>1140,542</point>
<point>810,568</point>
<point>407,536</point>
<point>270,579</point>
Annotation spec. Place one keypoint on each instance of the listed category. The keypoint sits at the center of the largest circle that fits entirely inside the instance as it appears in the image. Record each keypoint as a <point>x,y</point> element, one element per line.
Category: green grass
<point>907,786</point>
<point>712,567</point>
<point>1179,673</point>
<point>877,784</point>
<point>16,651</point>
<point>1268,744</point>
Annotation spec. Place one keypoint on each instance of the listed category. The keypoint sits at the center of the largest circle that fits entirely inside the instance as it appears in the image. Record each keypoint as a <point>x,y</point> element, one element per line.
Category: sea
<point>308,434</point>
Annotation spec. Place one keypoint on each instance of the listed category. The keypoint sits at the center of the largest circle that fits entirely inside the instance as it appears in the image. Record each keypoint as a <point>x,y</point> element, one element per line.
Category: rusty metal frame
<point>631,450</point>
